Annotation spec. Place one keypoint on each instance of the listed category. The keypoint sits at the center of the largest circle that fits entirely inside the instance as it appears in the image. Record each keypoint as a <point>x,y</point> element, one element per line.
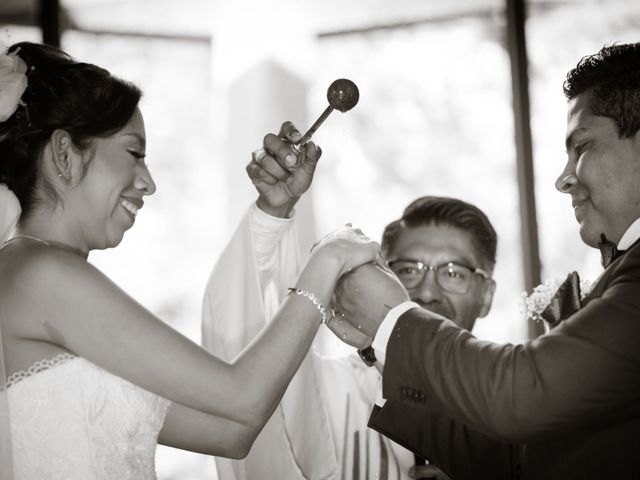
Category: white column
<point>259,75</point>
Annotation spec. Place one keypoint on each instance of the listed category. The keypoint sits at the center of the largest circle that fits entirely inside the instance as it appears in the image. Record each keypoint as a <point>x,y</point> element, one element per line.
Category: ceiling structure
<point>198,18</point>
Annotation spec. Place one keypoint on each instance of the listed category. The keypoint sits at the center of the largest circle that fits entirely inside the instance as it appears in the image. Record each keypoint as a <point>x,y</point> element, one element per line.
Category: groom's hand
<point>347,332</point>
<point>365,296</point>
<point>275,174</point>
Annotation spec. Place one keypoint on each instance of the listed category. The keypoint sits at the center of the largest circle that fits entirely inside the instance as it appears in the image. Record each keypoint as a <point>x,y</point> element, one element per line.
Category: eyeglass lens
<point>451,277</point>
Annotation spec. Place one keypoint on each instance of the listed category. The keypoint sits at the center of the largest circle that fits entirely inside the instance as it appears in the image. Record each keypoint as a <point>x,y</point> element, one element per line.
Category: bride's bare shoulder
<point>39,282</point>
<point>22,257</point>
<point>30,270</point>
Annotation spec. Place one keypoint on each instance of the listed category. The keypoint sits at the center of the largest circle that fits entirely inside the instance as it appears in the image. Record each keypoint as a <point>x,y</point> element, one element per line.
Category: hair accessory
<point>315,300</point>
<point>9,212</point>
<point>13,82</point>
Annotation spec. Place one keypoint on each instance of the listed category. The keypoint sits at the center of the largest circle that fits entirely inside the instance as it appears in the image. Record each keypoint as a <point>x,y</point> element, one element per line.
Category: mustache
<point>436,307</point>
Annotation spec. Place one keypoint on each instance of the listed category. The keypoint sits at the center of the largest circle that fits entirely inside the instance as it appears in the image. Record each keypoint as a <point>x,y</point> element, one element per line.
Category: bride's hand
<point>349,247</point>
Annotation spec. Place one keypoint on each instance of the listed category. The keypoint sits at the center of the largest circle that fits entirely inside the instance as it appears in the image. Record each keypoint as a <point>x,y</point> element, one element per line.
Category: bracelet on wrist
<point>326,316</point>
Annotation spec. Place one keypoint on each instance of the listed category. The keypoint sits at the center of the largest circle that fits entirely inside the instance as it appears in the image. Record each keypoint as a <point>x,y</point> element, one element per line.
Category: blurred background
<point>457,97</point>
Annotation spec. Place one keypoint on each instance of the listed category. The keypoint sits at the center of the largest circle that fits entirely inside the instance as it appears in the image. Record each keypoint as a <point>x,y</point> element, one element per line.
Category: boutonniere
<point>556,299</point>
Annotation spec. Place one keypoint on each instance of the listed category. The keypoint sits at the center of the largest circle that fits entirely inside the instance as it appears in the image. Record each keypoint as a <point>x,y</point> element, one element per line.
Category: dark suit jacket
<point>563,406</point>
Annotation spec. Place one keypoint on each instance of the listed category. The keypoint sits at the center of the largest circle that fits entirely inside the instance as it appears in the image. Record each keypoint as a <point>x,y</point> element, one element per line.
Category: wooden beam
<point>516,43</point>
<point>49,19</point>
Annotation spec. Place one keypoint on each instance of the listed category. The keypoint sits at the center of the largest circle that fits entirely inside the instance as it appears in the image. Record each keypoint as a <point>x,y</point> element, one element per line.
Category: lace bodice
<point>70,419</point>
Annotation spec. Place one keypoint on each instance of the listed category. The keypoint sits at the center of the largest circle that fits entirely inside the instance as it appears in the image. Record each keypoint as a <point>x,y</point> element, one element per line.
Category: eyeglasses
<point>452,277</point>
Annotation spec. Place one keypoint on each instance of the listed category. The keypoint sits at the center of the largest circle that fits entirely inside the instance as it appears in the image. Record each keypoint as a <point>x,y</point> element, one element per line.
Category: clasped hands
<point>361,300</point>
<point>364,294</point>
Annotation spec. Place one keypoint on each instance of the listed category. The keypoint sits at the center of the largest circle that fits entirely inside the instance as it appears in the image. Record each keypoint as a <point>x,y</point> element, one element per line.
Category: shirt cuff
<point>386,328</point>
<point>380,400</point>
<point>267,233</point>
<point>263,219</point>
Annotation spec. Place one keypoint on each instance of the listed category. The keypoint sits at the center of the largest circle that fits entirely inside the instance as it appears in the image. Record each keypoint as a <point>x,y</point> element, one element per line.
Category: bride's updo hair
<point>84,100</point>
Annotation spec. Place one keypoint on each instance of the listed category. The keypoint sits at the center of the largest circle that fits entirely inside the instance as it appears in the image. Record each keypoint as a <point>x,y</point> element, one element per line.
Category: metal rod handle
<point>307,136</point>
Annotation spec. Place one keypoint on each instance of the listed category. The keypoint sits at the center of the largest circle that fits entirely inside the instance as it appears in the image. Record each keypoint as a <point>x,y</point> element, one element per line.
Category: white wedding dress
<point>70,419</point>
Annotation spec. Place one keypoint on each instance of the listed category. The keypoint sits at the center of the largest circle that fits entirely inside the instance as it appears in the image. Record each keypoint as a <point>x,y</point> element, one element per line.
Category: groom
<point>565,405</point>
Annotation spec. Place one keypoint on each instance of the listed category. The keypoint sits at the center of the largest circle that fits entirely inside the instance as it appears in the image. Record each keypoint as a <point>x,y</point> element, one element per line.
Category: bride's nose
<point>144,182</point>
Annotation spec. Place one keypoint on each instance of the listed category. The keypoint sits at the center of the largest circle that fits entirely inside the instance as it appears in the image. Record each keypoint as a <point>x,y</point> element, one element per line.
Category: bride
<point>95,380</point>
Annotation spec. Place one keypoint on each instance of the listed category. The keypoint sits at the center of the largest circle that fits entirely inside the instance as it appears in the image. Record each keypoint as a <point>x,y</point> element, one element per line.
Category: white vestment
<point>296,442</point>
<point>320,428</point>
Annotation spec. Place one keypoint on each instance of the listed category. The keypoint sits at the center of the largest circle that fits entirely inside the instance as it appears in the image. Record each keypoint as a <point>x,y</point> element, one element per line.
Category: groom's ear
<point>487,297</point>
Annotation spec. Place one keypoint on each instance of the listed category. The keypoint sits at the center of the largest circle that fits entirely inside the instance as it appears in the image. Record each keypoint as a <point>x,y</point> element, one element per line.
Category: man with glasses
<point>443,250</point>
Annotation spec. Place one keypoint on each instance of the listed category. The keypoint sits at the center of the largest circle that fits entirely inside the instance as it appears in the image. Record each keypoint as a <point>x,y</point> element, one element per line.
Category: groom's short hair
<point>432,210</point>
<point>612,76</point>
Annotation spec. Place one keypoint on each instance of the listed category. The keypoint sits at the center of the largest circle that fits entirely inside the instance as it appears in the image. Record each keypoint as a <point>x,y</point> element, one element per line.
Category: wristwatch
<point>368,356</point>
